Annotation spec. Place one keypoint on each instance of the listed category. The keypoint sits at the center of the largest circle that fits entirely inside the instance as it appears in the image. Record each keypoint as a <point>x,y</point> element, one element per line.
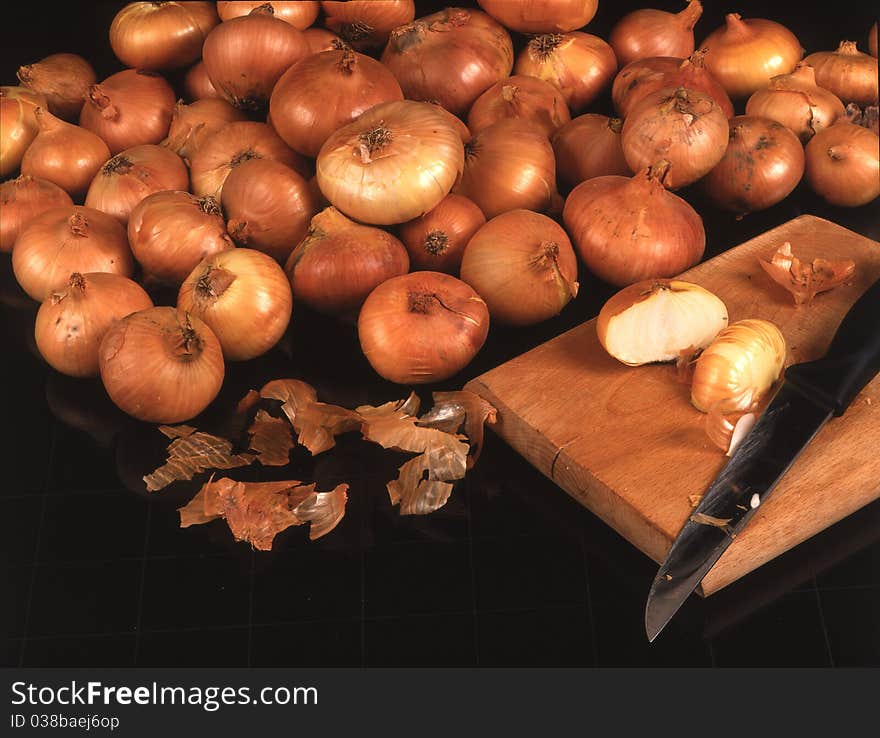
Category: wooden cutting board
<point>626,442</point>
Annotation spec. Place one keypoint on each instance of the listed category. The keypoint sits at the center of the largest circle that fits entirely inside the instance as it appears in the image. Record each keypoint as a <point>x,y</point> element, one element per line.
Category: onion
<point>763,163</point>
<point>641,78</point>
<point>367,23</point>
<point>268,207</point>
<point>744,54</point>
<point>129,108</point>
<point>244,57</point>
<point>872,40</point>
<point>64,240</point>
<point>18,125</point>
<point>197,84</point>
<point>646,33</point>
<point>842,164</point>
<point>436,240</point>
<point>522,264</point>
<point>457,123</point>
<point>450,57</point>
<point>171,232</point>
<point>626,230</point>
<point>340,262</point>
<point>589,146</point>
<point>193,124</point>
<point>541,16</point>
<point>131,176</point>
<point>161,35</point>
<point>244,297</point>
<point>161,365</point>
<point>232,145</point>
<point>579,64</point>
<point>795,101</point>
<point>300,14</point>
<point>324,92</point>
<point>72,321</point>
<point>508,166</point>
<point>422,327</point>
<point>395,162</point>
<point>64,79</point>
<point>524,98</point>
<point>23,199</point>
<point>685,127</point>
<point>847,72</point>
<point>320,39</point>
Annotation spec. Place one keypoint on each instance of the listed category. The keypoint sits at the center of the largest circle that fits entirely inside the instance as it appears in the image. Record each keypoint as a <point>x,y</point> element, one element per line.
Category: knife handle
<point>851,361</point>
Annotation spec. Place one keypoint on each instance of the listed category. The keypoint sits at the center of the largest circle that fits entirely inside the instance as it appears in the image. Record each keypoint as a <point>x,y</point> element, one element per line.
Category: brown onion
<point>161,365</point>
<point>579,64</point>
<point>320,39</point>
<point>129,108</point>
<point>340,262</point>
<point>508,166</point>
<point>646,33</point>
<point>193,124</point>
<point>843,164</point>
<point>244,57</point>
<point>422,327</point>
<point>872,40</point>
<point>72,321</point>
<point>847,72</point>
<point>795,101</point>
<point>325,91</point>
<point>197,84</point>
<point>524,98</point>
<point>522,264</point>
<point>18,125</point>
<point>131,176</point>
<point>64,79</point>
<point>300,14</point>
<point>366,23</point>
<point>629,229</point>
<point>450,57</point>
<point>64,240</point>
<point>436,240</point>
<point>23,199</point>
<point>743,55</point>
<point>268,207</point>
<point>64,154</point>
<point>589,146</point>
<point>395,162</point>
<point>541,16</point>
<point>763,163</point>
<point>457,123</point>
<point>645,76</point>
<point>171,232</point>
<point>685,127</point>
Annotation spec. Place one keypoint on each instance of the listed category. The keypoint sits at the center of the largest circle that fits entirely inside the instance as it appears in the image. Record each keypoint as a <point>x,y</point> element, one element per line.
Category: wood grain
<point>626,442</point>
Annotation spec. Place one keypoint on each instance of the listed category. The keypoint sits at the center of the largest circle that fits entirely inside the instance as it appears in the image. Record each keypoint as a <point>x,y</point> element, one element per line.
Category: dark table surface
<point>95,571</point>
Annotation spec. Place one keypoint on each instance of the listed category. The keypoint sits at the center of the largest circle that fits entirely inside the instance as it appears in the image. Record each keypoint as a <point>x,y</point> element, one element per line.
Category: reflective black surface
<point>95,571</point>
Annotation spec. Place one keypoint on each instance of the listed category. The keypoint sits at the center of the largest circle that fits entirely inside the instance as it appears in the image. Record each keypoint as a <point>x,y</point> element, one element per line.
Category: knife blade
<point>810,395</point>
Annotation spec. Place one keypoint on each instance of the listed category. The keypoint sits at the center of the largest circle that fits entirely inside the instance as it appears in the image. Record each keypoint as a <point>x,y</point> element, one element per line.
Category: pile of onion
<point>629,229</point>
<point>197,84</point>
<point>579,64</point>
<point>847,72</point>
<point>648,32</point>
<point>18,125</point>
<point>843,164</point>
<point>171,232</point>
<point>21,200</point>
<point>64,79</point>
<point>524,98</point>
<point>522,264</point>
<point>436,240</point>
<point>193,124</point>
<point>541,16</point>
<point>450,57</point>
<point>422,327</point>
<point>589,146</point>
<point>300,14</point>
<point>366,24</point>
<point>763,163</point>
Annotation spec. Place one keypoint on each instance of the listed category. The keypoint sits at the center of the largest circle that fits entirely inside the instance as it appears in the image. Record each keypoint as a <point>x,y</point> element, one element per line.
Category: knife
<point>811,394</point>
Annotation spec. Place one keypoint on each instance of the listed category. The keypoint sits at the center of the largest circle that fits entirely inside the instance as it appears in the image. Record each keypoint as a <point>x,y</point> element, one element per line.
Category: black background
<point>511,572</point>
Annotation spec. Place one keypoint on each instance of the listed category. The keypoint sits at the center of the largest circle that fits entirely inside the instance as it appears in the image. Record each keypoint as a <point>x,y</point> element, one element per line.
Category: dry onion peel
<point>805,280</point>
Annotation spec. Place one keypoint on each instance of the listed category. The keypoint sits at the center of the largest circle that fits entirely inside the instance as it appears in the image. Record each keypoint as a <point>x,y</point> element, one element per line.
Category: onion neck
<point>848,48</point>
<point>47,122</point>
<point>347,64</point>
<point>543,46</point>
<point>213,283</point>
<point>680,102</point>
<point>803,74</point>
<point>25,74</point>
<point>242,156</point>
<point>615,125</point>
<point>547,257</point>
<point>184,343</point>
<point>372,142</point>
<point>655,175</point>
<point>97,97</point>
<point>688,17</point>
<point>76,287</point>
<point>356,31</point>
<point>264,9</point>
<point>239,230</point>
<point>427,303</point>
<point>210,206</point>
<point>436,242</point>
<point>736,28</point>
<point>78,224</point>
<point>119,164</point>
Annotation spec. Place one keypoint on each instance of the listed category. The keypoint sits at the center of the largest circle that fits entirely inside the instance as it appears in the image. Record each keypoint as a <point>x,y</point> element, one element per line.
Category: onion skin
<point>299,14</point>
<point>541,16</point>
<point>193,124</point>
<point>436,240</point>
<point>847,72</point>
<point>71,322</point>
<point>872,40</point>
<point>325,91</point>
<point>763,164</point>
<point>320,39</point>
<point>161,365</point>
<point>244,297</point>
<point>522,264</point>
<point>629,229</point>
<point>422,327</point>
<point>18,125</point>
<point>366,24</point>
<point>64,240</point>
<point>197,85</point>
<point>450,57</point>
<point>523,98</point>
<point>171,232</point>
<point>646,33</point>
<point>589,146</point>
<point>23,199</point>
<point>843,164</point>
<point>64,80</point>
